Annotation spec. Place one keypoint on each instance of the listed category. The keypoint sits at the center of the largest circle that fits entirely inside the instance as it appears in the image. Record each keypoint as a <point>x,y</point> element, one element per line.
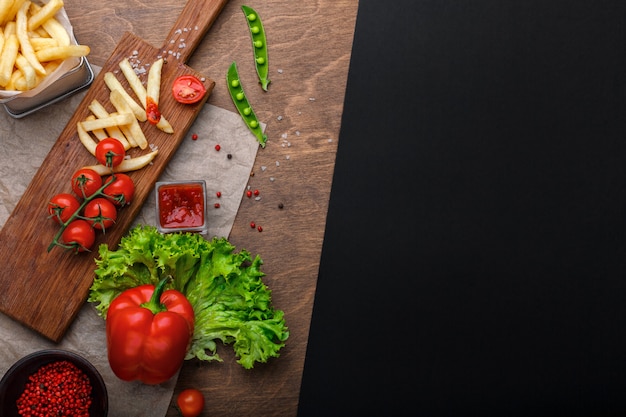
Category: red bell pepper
<point>148,333</point>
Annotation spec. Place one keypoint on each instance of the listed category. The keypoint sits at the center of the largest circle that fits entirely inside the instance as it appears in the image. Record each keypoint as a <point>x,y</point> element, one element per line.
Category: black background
<point>473,261</point>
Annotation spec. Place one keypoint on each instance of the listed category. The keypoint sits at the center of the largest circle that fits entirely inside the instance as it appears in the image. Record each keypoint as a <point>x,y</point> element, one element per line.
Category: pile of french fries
<point>123,123</point>
<point>33,43</point>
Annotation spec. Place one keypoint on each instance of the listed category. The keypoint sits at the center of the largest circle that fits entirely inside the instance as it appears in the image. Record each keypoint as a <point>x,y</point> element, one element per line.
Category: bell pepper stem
<point>155,305</point>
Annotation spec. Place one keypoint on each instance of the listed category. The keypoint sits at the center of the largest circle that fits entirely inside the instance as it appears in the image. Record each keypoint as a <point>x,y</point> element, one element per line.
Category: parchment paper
<point>25,143</point>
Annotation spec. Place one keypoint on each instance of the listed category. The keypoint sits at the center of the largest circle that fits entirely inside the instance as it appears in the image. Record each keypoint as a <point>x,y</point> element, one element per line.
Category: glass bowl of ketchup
<point>181,206</point>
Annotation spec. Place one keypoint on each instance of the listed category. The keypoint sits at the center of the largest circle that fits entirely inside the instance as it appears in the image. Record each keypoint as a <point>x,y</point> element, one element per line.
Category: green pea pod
<point>243,106</point>
<point>259,45</point>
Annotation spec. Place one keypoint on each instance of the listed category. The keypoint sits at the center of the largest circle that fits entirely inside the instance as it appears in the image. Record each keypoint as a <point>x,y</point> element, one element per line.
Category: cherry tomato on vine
<point>110,152</point>
<point>62,206</point>
<point>121,190</point>
<point>102,213</point>
<point>85,182</point>
<point>188,89</point>
<point>190,402</point>
<point>79,234</point>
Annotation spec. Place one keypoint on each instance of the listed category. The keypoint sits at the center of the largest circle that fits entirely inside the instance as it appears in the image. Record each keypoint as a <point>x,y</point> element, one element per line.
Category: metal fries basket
<point>78,78</point>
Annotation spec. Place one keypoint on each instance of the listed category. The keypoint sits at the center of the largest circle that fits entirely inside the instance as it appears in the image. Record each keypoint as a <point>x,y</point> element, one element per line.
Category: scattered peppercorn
<point>280,206</point>
<point>252,225</point>
<point>229,156</point>
<point>218,147</point>
<point>256,192</point>
<point>248,193</point>
<point>194,136</point>
<point>56,389</point>
<point>218,194</point>
<point>217,205</point>
<point>259,228</point>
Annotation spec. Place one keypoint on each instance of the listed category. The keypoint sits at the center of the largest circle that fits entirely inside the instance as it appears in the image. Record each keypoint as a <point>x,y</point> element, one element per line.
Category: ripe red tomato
<point>190,402</point>
<point>79,234</point>
<point>110,152</point>
<point>188,89</point>
<point>62,206</point>
<point>85,182</point>
<point>102,213</point>
<point>121,190</point>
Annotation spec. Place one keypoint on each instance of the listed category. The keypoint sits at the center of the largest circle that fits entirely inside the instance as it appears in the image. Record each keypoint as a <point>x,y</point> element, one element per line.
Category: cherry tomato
<point>62,206</point>
<point>102,213</point>
<point>190,402</point>
<point>85,182</point>
<point>121,190</point>
<point>110,152</point>
<point>188,89</point>
<point>79,234</point>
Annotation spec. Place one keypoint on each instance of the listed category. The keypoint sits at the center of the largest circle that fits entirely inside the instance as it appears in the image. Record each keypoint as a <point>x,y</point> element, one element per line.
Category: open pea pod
<point>259,44</point>
<point>243,106</point>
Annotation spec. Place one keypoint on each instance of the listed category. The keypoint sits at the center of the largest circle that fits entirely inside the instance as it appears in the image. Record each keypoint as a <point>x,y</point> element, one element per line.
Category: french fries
<point>43,43</point>
<point>123,123</point>
<point>127,165</point>
<point>141,93</point>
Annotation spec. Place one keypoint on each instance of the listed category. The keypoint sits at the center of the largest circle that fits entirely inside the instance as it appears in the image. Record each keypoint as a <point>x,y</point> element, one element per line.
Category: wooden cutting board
<point>46,290</point>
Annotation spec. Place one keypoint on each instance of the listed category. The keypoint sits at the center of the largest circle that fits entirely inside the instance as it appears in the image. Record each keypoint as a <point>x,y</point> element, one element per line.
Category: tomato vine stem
<point>77,215</point>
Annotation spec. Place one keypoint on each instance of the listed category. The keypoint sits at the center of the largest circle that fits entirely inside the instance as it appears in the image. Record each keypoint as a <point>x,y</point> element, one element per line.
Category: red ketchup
<point>181,205</point>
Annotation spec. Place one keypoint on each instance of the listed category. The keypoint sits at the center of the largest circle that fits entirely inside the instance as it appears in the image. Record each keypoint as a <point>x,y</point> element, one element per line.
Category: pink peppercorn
<point>56,389</point>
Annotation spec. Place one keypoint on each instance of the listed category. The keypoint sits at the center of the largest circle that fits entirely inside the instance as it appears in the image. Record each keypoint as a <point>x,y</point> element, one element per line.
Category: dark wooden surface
<point>309,53</point>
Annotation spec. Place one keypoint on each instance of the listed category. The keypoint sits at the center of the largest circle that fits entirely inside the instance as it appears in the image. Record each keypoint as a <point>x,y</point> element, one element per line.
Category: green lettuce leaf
<point>225,288</point>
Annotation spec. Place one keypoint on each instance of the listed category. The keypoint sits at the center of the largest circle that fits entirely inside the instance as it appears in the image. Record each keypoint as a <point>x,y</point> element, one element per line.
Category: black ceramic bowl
<point>13,382</point>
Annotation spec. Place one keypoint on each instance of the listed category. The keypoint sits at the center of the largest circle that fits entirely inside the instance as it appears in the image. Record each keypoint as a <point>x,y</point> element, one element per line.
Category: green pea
<point>259,43</point>
<point>240,100</point>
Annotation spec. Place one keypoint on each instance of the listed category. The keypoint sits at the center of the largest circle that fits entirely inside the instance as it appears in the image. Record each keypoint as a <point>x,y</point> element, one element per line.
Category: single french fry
<point>5,8</point>
<point>127,165</point>
<point>2,40</point>
<point>86,139</point>
<point>55,29</point>
<point>112,131</point>
<point>153,87</point>
<point>98,133</point>
<point>7,59</point>
<point>9,28</point>
<point>13,12</point>
<point>44,13</point>
<point>133,80</point>
<point>27,70</point>
<point>22,34</point>
<point>132,130</point>
<point>114,85</point>
<point>105,122</point>
<point>164,125</point>
<point>42,43</point>
<point>62,52</point>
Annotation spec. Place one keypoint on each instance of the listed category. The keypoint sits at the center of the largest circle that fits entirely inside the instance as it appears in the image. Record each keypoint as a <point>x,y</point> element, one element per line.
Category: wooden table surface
<point>309,44</point>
